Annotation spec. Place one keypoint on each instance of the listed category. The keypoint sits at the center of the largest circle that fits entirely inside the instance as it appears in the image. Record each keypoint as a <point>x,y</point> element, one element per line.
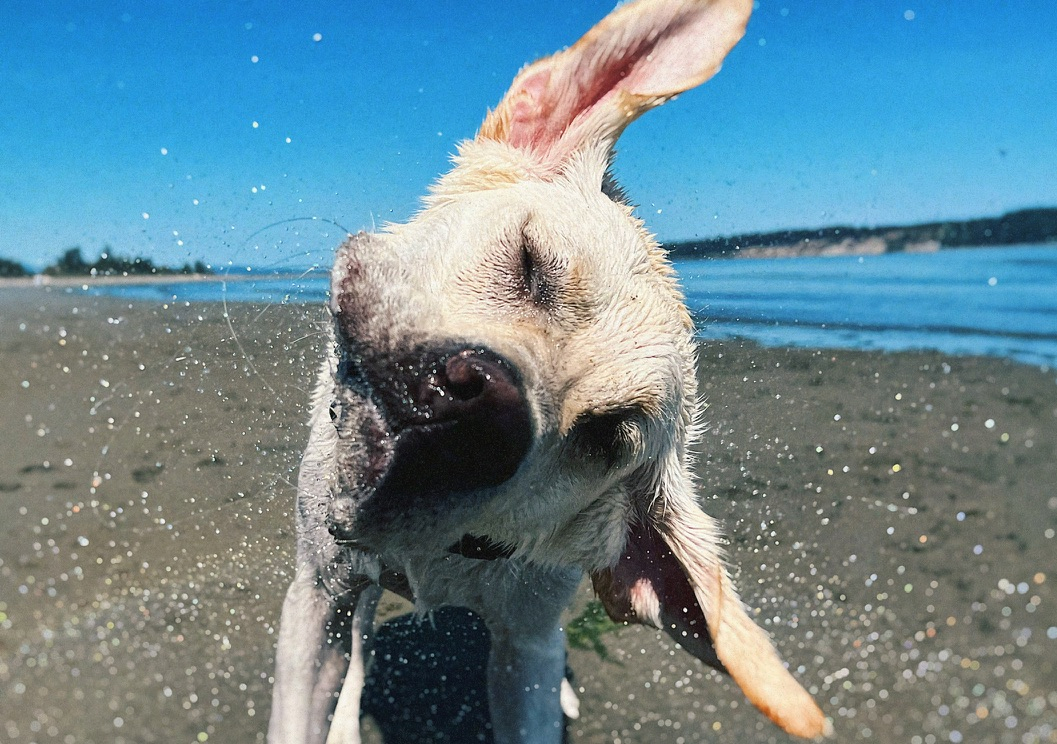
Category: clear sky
<point>184,130</point>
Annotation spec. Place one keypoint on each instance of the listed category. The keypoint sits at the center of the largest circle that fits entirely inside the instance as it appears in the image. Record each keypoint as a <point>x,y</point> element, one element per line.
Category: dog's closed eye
<point>538,274</point>
<point>607,436</point>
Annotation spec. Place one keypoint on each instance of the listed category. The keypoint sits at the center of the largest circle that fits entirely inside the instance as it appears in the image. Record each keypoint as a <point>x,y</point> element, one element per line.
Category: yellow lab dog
<point>510,402</point>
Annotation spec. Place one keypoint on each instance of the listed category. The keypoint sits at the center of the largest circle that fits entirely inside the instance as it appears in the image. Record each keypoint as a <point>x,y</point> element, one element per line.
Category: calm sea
<point>993,301</point>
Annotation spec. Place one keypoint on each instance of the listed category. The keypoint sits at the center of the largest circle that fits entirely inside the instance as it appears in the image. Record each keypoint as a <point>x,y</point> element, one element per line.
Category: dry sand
<point>891,516</point>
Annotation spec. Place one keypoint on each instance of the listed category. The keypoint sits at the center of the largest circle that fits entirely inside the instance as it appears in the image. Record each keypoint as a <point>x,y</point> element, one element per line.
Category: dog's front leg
<point>524,681</point>
<point>526,664</point>
<point>345,726</point>
<point>315,655</point>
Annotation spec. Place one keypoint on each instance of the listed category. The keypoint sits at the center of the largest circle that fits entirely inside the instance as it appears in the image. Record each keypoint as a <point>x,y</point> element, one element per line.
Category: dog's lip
<point>475,547</point>
<point>480,547</point>
<point>343,537</point>
<point>348,542</point>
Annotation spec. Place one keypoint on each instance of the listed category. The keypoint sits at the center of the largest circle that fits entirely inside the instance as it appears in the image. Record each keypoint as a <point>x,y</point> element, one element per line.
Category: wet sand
<point>891,516</point>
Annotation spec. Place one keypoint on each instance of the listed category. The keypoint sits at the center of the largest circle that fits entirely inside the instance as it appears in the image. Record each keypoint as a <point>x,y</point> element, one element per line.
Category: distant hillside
<point>1024,226</point>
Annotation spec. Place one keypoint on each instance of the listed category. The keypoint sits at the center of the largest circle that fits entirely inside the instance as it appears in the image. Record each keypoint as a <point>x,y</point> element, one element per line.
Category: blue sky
<point>186,130</point>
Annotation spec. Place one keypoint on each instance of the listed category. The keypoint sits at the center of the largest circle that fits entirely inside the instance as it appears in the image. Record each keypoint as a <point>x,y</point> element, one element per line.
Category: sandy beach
<point>891,518</point>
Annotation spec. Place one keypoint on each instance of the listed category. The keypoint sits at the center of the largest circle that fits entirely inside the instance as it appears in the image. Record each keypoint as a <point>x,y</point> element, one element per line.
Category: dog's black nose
<point>460,419</point>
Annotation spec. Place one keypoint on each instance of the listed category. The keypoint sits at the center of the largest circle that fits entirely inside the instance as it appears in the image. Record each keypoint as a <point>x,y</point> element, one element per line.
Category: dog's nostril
<point>466,375</point>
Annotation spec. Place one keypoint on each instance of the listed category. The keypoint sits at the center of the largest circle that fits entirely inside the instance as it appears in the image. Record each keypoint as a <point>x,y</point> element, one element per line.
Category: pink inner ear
<point>551,98</point>
<point>639,56</point>
<point>649,586</point>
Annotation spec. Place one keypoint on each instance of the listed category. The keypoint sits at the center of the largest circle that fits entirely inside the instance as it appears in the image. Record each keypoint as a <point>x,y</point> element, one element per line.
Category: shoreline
<point>42,280</point>
<point>890,518</point>
<point>677,251</point>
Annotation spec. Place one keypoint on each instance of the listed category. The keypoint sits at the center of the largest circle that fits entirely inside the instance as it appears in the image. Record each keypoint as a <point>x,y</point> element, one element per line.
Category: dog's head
<point>516,363</point>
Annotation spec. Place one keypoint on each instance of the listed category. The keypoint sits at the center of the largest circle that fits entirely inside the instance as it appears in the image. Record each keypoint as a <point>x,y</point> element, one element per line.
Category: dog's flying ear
<point>671,576</point>
<point>639,56</point>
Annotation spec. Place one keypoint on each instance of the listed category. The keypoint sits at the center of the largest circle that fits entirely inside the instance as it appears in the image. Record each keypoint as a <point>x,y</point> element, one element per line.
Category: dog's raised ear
<point>639,56</point>
<point>671,576</point>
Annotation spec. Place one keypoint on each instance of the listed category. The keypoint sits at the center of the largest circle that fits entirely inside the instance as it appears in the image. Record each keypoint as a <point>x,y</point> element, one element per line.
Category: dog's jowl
<point>509,405</point>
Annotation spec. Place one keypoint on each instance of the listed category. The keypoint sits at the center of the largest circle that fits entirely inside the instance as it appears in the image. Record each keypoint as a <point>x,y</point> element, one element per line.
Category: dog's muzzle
<point>458,423</point>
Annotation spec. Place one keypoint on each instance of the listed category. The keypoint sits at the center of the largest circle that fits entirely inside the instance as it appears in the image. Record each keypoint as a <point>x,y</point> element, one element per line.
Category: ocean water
<point>992,301</point>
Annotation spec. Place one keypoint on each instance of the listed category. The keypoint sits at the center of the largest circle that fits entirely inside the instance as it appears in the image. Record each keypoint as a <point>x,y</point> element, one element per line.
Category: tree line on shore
<point>73,263</point>
<point>1026,226</point>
